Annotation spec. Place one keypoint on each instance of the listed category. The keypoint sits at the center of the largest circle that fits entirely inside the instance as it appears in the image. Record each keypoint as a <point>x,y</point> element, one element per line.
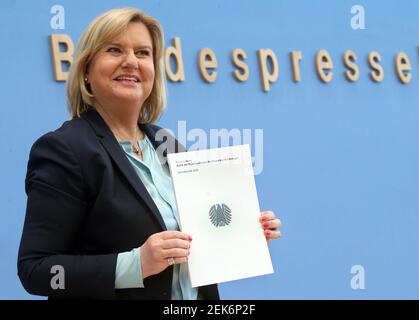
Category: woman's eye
<point>113,50</point>
<point>143,53</point>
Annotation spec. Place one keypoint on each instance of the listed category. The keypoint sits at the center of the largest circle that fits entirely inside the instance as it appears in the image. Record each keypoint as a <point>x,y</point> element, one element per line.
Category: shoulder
<point>53,162</point>
<point>163,138</point>
<point>154,130</point>
<point>73,137</point>
<point>69,133</point>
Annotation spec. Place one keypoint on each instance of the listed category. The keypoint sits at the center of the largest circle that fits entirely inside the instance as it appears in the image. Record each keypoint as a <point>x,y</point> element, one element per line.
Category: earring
<point>85,79</point>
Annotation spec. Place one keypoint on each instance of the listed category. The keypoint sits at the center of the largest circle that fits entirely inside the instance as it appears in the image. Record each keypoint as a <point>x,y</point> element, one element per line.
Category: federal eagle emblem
<point>220,215</point>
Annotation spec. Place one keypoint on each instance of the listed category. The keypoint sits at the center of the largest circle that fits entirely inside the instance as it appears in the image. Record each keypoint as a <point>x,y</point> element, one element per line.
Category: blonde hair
<point>104,28</point>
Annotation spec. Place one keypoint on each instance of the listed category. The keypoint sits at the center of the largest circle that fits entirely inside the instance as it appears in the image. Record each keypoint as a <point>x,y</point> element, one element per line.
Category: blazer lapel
<point>167,143</point>
<point>116,153</point>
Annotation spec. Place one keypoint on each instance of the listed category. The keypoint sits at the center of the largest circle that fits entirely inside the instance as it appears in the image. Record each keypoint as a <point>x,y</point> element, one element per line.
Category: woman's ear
<point>87,83</point>
<point>86,74</point>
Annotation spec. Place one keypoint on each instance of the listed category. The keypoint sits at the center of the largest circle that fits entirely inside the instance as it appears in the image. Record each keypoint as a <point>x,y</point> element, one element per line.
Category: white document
<point>218,206</point>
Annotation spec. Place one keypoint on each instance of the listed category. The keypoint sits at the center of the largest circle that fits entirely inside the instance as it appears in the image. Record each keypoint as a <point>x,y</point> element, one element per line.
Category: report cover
<point>218,206</point>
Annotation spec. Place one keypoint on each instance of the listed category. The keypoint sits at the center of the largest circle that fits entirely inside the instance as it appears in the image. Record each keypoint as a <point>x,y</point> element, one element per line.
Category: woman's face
<point>122,72</point>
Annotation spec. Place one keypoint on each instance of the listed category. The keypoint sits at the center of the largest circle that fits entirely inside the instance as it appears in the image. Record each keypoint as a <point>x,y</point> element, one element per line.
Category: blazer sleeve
<point>56,207</point>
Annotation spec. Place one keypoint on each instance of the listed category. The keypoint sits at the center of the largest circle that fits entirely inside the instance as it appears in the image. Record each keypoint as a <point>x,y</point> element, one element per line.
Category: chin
<point>130,100</point>
<point>131,96</point>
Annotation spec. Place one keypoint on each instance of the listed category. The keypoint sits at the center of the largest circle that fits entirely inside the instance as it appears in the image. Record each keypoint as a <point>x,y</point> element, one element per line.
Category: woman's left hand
<point>270,225</point>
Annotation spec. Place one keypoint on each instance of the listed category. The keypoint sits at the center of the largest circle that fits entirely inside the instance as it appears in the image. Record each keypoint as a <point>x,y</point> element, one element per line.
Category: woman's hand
<point>160,247</point>
<point>270,225</point>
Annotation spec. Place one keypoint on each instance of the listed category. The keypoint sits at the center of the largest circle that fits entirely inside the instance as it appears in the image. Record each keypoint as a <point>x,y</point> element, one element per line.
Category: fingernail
<point>190,238</point>
<point>265,225</point>
<point>268,233</point>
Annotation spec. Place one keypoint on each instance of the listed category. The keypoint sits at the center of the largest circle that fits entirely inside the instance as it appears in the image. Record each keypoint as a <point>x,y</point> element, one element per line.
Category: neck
<point>123,125</point>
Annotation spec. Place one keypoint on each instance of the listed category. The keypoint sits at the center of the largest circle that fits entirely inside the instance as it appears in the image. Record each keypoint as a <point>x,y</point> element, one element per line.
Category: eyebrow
<point>139,47</point>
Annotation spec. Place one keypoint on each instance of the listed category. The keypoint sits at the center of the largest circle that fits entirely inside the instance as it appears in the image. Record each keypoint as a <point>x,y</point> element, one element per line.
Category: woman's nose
<point>131,61</point>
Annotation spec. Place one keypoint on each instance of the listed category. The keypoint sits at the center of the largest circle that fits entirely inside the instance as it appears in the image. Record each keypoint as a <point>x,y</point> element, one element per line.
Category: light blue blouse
<point>157,180</point>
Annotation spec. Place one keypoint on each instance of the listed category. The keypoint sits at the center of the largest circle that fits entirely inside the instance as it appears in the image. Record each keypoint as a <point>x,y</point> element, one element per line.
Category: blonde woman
<point>100,202</point>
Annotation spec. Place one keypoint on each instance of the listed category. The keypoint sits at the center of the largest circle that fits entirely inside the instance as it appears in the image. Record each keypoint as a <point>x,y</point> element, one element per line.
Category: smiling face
<point>122,72</point>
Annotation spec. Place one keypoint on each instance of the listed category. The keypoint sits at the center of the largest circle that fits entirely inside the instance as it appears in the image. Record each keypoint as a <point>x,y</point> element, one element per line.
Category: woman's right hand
<point>161,246</point>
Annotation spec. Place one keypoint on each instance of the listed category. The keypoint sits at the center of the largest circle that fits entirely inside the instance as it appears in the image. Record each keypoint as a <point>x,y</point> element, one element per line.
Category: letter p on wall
<point>266,55</point>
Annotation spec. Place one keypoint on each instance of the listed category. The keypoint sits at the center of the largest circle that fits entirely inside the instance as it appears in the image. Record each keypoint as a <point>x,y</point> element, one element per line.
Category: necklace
<point>135,147</point>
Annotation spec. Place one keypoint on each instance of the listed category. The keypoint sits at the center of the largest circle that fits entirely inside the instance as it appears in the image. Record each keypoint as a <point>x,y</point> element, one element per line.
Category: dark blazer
<point>85,205</point>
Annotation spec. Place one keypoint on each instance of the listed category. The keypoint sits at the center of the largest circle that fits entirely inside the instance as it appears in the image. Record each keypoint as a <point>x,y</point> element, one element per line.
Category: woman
<point>100,203</point>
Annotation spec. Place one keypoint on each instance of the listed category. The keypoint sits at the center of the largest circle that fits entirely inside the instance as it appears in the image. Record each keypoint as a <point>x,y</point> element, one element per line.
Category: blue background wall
<point>340,161</point>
